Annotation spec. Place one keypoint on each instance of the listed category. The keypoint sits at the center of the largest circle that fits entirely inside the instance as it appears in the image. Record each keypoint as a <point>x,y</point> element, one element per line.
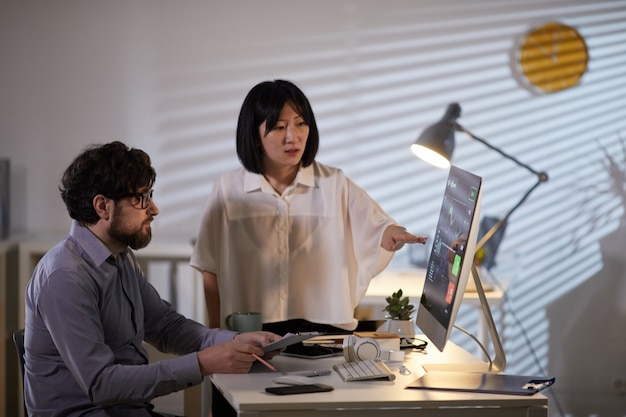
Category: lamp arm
<point>494,229</point>
<point>541,178</point>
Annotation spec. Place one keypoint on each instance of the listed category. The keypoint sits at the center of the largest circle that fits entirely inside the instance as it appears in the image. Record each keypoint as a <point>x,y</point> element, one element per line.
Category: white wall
<point>169,77</point>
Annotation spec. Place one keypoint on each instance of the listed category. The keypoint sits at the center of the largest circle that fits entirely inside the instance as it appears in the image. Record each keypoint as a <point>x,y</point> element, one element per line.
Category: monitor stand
<point>471,286</point>
<point>498,363</point>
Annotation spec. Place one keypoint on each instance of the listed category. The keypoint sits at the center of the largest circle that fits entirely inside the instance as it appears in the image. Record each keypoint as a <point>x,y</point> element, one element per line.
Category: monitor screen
<point>451,256</point>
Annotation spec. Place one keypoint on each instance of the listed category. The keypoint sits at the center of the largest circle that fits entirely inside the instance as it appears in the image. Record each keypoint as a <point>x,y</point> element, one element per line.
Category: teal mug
<point>244,322</point>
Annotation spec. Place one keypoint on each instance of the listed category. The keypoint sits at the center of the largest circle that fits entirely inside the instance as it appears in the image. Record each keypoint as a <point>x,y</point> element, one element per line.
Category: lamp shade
<point>436,144</point>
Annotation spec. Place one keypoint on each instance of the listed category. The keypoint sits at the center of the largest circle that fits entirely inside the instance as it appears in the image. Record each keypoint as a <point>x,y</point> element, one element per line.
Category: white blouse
<point>309,253</point>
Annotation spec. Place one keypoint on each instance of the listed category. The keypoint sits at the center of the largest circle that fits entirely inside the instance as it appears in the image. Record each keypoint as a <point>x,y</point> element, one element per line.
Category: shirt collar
<point>253,182</point>
<point>306,176</point>
<point>93,247</point>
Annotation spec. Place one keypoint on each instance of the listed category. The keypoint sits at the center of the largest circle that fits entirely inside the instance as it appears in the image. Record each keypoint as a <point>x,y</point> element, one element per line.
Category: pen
<point>264,362</point>
<point>322,372</point>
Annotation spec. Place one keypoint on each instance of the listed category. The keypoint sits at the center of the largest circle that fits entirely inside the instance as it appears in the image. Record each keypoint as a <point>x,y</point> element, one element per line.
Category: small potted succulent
<point>398,307</point>
<point>399,311</point>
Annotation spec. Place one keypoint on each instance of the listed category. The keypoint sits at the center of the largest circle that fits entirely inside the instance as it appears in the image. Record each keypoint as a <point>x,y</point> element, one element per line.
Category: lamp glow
<point>430,156</point>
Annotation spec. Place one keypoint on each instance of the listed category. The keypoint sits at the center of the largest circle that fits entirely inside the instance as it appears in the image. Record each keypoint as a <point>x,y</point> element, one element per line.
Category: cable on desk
<point>482,347</point>
<point>413,343</point>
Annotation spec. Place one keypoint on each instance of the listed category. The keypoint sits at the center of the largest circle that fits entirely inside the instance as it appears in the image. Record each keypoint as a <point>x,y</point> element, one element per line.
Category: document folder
<point>289,339</point>
<point>482,382</point>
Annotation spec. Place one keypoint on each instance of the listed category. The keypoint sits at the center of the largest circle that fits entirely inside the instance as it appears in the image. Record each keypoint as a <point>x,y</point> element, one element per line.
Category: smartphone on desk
<point>298,389</point>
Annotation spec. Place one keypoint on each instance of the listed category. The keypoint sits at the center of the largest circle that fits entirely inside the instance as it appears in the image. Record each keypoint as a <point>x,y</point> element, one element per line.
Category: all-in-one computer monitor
<point>450,266</point>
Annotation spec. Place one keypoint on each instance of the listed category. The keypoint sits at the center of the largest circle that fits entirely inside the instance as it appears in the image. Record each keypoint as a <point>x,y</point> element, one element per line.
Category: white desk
<point>411,281</point>
<point>246,393</point>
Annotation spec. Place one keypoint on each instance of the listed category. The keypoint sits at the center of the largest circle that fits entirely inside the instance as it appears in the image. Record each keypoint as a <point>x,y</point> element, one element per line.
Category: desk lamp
<point>436,144</point>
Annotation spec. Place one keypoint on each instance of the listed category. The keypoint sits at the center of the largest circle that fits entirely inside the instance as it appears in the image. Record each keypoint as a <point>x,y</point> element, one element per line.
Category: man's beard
<point>136,240</point>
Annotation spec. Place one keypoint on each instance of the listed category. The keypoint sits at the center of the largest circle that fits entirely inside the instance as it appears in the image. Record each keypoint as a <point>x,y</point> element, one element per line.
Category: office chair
<point>18,339</point>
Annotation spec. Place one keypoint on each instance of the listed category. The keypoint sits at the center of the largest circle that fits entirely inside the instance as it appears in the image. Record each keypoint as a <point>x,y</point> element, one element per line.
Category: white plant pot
<point>403,328</point>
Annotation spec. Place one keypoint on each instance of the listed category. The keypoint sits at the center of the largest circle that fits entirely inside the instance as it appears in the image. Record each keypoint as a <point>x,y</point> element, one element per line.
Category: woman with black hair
<point>286,235</point>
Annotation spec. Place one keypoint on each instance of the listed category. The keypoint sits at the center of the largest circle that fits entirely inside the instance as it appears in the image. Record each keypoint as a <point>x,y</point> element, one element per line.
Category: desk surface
<point>246,393</point>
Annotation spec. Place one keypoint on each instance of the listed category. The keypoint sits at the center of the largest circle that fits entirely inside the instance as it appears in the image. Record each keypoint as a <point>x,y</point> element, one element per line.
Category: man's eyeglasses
<point>143,199</point>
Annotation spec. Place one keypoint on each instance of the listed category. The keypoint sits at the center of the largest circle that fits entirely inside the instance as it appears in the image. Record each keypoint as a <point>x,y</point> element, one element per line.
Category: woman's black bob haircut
<point>263,104</point>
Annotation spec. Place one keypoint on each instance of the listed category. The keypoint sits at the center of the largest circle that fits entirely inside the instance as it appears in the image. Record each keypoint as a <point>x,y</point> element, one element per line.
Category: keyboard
<point>364,370</point>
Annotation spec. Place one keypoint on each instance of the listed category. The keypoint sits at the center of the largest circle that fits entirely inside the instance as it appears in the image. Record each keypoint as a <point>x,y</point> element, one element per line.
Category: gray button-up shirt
<point>87,314</point>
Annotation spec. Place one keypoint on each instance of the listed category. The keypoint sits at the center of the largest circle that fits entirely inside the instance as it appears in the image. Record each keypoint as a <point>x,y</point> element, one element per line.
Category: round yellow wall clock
<point>552,57</point>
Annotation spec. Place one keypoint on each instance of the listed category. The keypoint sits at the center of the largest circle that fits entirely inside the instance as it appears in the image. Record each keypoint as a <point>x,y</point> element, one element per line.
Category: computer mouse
<point>293,380</point>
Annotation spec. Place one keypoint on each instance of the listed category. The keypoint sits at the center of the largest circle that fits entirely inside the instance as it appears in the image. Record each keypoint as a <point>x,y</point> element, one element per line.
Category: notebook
<point>301,350</point>
<point>483,382</point>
